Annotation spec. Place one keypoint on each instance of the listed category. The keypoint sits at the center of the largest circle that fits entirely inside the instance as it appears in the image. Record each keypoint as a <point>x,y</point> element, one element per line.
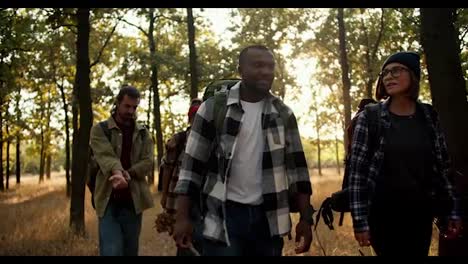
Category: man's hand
<point>183,226</point>
<point>127,176</point>
<point>363,238</point>
<point>303,230</point>
<point>183,232</point>
<point>118,180</point>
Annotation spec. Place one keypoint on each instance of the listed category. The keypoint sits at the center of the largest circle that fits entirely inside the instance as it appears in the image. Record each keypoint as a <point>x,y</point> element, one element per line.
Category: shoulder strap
<point>219,110</point>
<point>374,126</point>
<point>181,138</point>
<point>105,129</point>
<point>431,110</point>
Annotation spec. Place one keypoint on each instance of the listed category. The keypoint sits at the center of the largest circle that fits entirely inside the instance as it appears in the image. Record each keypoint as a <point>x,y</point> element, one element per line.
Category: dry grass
<point>35,222</point>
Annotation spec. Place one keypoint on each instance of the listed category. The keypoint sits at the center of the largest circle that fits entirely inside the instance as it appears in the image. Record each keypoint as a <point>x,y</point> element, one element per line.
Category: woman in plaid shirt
<point>391,186</point>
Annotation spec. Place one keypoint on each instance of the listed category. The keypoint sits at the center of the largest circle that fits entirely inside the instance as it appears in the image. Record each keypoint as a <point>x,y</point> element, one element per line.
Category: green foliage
<point>37,57</point>
<point>276,28</point>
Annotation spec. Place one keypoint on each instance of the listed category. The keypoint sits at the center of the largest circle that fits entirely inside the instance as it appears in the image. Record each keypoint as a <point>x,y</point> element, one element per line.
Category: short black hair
<point>128,90</point>
<point>244,51</point>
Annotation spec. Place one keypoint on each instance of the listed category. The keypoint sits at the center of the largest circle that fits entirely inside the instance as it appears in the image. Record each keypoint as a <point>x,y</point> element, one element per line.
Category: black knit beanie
<point>407,58</point>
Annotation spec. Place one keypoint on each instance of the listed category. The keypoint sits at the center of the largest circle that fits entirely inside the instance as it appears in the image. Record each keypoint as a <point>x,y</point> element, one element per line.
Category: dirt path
<point>34,221</point>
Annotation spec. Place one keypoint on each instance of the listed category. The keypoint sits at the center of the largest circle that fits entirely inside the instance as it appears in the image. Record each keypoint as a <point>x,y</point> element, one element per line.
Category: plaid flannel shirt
<point>173,167</point>
<point>204,157</point>
<point>364,166</point>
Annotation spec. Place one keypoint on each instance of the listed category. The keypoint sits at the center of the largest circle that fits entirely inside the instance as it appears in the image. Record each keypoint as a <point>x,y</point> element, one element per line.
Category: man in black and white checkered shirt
<point>248,175</point>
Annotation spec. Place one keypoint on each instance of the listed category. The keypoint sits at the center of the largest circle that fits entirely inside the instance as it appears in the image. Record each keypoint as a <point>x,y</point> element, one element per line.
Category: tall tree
<point>370,49</point>
<point>67,139</point>
<point>152,18</point>
<point>314,107</point>
<point>193,55</point>
<point>156,99</point>
<point>81,152</point>
<point>18,137</point>
<point>8,141</point>
<point>344,69</point>
<point>440,42</point>
<point>2,186</point>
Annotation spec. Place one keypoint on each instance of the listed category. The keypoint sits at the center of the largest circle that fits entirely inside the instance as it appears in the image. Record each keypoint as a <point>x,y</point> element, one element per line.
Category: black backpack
<point>339,201</point>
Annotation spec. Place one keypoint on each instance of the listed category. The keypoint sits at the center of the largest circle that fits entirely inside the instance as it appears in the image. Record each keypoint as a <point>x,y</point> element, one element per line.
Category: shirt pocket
<point>275,134</point>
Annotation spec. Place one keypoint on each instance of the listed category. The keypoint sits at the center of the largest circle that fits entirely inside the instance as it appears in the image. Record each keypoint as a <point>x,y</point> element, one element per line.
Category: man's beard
<point>127,117</point>
<point>254,88</point>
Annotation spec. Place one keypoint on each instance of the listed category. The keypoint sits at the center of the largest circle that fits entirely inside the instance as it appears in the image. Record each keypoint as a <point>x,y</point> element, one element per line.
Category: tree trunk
<point>48,165</point>
<point>18,140</point>
<point>42,154</point>
<point>151,131</point>
<point>371,51</point>
<point>7,130</point>
<point>80,160</point>
<point>47,152</point>
<point>319,150</point>
<point>338,162</point>
<point>156,99</point>
<point>367,56</point>
<point>2,187</point>
<point>440,42</point>
<point>67,140</point>
<point>18,160</point>
<point>148,112</point>
<point>193,55</point>
<point>319,156</point>
<point>344,72</point>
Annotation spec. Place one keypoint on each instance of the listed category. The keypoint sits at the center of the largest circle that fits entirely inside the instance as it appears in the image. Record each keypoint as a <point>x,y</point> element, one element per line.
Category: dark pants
<point>119,230</point>
<point>400,232</point>
<point>249,234</point>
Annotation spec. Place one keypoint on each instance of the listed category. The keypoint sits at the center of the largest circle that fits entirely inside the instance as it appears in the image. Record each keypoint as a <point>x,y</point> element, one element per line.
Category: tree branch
<point>175,19</point>
<point>414,21</point>
<point>140,28</point>
<point>96,61</point>
<point>464,34</point>
<point>379,37</point>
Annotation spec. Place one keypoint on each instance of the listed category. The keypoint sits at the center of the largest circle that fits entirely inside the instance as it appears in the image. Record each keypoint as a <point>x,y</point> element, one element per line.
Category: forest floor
<point>35,221</point>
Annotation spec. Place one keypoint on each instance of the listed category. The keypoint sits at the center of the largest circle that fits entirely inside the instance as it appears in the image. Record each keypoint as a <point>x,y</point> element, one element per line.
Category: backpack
<point>219,89</point>
<point>93,167</point>
<point>339,201</point>
<point>218,86</point>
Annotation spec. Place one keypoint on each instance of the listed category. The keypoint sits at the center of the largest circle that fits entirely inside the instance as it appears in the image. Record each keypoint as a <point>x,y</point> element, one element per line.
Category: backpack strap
<point>374,125</point>
<point>219,111</point>
<point>105,129</point>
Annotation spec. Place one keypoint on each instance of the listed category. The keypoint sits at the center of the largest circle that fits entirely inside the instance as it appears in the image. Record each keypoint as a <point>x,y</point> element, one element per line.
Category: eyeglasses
<point>395,72</point>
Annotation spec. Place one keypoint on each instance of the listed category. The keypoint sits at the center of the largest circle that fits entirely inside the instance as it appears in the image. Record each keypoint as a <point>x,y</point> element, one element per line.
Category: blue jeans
<point>249,234</point>
<point>119,230</point>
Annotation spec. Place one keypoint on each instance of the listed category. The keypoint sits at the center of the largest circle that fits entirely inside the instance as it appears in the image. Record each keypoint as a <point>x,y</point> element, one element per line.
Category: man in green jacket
<point>123,150</point>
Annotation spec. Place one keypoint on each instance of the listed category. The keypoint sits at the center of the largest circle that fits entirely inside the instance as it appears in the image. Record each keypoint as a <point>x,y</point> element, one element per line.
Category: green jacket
<point>107,156</point>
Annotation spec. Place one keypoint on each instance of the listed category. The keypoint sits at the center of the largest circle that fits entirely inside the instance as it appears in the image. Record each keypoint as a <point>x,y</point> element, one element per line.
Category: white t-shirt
<point>245,180</point>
